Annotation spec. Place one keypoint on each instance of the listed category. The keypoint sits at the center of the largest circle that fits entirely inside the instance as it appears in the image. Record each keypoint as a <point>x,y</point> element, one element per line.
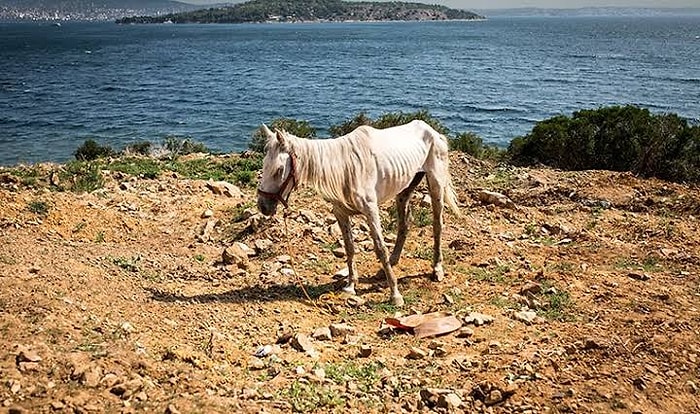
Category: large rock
<point>235,255</point>
<point>225,189</point>
<point>498,199</point>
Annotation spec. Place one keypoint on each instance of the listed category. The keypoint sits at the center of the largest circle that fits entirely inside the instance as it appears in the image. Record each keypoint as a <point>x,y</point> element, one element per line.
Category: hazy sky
<point>498,4</point>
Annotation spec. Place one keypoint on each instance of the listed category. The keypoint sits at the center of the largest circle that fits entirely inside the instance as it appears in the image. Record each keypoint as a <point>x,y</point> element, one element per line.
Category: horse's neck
<point>317,161</point>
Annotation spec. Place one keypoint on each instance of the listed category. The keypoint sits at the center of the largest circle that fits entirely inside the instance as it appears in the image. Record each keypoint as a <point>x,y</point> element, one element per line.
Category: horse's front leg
<point>346,230</point>
<point>375,227</point>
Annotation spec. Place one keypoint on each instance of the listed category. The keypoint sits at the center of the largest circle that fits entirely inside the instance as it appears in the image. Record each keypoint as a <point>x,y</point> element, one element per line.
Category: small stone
<point>465,332</point>
<point>450,401</point>
<point>235,255</point>
<point>590,343</point>
<point>225,189</point>
<point>639,276</point>
<point>263,245</point>
<point>171,409</point>
<point>127,327</point>
<point>447,299</point>
<point>284,258</point>
<point>498,199</point>
<point>28,366</point>
<point>416,353</point>
<point>302,343</point>
<point>207,213</point>
<point>365,351</point>
<point>494,397</point>
<point>531,288</point>
<point>245,248</point>
<point>264,351</point>
<point>91,377</point>
<point>527,317</point>
<point>57,405</point>
<point>319,373</point>
<point>340,330</point>
<point>478,319</point>
<point>339,252</point>
<point>355,301</point>
<point>27,355</point>
<point>109,380</point>
<point>256,364</point>
<point>322,334</point>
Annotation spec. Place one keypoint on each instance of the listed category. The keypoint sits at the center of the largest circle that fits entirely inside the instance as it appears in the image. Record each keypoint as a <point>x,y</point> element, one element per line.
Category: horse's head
<point>278,172</point>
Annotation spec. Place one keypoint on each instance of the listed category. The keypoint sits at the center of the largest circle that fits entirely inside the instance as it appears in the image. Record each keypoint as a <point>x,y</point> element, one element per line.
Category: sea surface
<point>217,83</point>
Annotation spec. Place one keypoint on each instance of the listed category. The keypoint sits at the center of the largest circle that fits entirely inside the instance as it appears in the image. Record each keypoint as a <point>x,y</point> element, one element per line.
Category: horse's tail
<point>450,195</point>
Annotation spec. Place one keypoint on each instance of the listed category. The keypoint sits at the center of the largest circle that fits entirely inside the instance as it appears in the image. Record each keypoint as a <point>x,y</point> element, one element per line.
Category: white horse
<point>356,173</point>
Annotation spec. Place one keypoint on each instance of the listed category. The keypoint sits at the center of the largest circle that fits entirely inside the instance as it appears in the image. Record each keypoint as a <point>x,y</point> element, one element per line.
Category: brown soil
<point>115,302</point>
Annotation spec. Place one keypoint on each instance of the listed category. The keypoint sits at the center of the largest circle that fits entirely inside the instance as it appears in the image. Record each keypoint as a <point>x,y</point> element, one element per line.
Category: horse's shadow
<point>276,292</point>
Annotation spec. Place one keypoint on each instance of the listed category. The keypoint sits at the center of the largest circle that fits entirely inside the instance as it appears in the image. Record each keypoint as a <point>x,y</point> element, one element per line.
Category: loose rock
<point>322,334</point>
<point>478,319</point>
<point>416,353</point>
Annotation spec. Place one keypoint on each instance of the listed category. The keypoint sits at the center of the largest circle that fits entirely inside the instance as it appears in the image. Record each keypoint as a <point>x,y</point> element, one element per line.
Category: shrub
<point>183,146</point>
<point>90,150</point>
<point>296,127</point>
<point>614,138</point>
<point>138,148</point>
<point>82,177</point>
<point>472,144</point>
<point>350,125</point>
<point>399,118</point>
<point>386,121</point>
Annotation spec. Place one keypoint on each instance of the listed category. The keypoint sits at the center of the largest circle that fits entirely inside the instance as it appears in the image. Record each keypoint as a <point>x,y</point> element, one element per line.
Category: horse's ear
<point>267,131</point>
<point>281,138</point>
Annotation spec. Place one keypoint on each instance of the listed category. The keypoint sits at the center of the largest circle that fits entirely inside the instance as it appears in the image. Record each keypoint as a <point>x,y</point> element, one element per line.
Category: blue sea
<point>217,83</point>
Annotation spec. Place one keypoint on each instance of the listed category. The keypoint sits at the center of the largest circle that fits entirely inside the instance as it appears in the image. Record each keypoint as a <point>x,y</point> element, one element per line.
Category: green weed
<point>40,208</point>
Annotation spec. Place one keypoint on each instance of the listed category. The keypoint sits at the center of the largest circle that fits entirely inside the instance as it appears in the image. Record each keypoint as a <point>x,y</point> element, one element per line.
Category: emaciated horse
<point>356,173</point>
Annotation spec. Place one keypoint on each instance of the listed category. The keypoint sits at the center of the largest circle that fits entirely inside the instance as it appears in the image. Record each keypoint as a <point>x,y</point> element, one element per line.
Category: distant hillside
<point>86,9</point>
<point>310,10</point>
<point>590,11</point>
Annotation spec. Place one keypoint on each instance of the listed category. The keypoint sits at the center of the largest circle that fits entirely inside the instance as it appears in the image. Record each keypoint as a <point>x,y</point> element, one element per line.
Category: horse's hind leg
<point>437,190</point>
<point>346,230</point>
<point>402,200</point>
<point>372,214</point>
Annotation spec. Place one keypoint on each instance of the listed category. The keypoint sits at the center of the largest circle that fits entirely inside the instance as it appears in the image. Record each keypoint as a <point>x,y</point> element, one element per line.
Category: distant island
<point>260,11</point>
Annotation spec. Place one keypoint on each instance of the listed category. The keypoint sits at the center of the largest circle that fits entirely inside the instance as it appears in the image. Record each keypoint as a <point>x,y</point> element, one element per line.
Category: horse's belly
<point>388,188</point>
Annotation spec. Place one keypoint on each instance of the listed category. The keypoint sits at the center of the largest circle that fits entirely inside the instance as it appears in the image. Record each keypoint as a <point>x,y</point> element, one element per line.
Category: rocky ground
<point>578,293</point>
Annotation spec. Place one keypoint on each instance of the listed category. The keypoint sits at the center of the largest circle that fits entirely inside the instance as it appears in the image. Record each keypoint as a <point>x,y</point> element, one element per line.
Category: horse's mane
<point>330,165</point>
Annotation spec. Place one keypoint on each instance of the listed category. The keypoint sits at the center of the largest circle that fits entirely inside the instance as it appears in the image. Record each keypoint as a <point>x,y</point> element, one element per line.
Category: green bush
<point>350,125</point>
<point>613,138</point>
<point>386,121</point>
<point>138,148</point>
<point>295,127</point>
<point>183,146</point>
<point>90,150</point>
<point>399,118</point>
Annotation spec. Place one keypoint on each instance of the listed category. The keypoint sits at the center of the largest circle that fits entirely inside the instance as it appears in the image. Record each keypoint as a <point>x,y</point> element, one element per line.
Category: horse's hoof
<point>397,300</point>
<point>438,275</point>
<point>349,290</point>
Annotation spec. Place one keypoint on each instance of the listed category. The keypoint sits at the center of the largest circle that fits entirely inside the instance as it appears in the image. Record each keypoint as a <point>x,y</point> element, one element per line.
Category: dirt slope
<point>118,301</point>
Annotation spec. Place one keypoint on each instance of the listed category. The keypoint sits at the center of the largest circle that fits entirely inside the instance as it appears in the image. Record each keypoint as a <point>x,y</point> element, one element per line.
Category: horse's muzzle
<point>267,207</point>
